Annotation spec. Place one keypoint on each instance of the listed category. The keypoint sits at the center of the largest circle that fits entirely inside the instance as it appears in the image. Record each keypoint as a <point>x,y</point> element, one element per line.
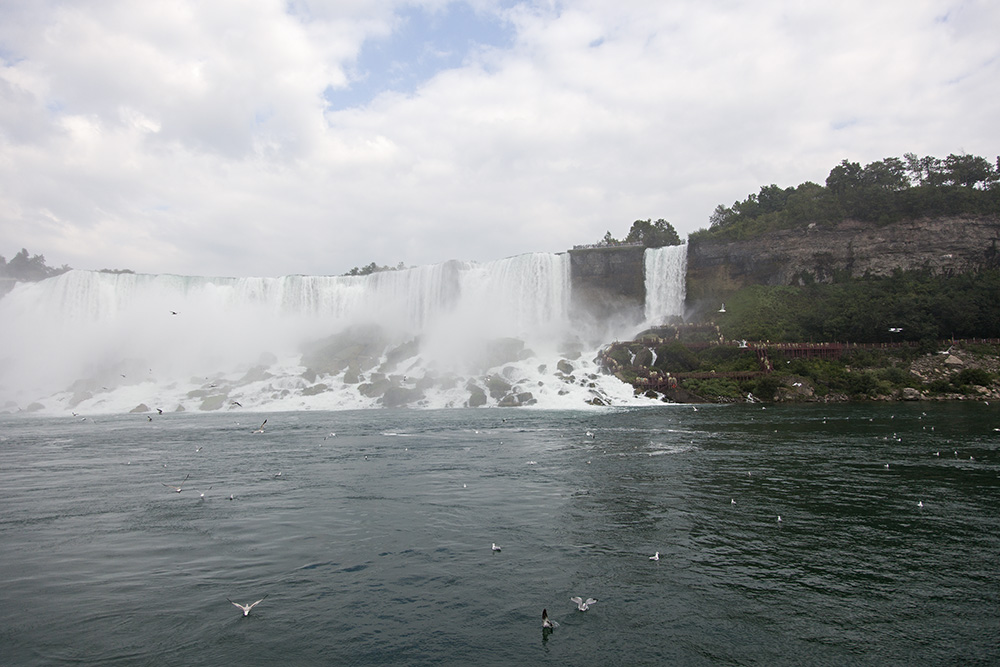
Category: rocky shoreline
<point>659,364</point>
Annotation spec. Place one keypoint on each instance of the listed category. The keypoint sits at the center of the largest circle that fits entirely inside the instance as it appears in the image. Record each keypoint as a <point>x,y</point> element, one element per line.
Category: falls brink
<point>455,334</point>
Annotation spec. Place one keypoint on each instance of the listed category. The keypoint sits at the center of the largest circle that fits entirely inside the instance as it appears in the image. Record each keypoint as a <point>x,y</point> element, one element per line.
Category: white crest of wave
<point>430,336</point>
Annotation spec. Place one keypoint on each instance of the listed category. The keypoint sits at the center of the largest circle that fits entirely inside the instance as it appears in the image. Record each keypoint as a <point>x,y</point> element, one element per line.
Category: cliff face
<point>946,245</point>
<point>609,282</point>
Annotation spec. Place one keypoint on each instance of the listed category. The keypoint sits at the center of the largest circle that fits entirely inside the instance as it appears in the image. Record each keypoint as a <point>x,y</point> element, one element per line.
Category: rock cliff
<point>944,245</point>
<point>608,282</point>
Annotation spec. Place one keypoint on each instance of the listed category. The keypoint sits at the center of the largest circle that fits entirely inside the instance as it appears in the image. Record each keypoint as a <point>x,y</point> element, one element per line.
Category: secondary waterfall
<point>449,335</point>
<point>666,269</point>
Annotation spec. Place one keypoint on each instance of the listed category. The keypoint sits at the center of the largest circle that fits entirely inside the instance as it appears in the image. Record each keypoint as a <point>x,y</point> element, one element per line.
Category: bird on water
<point>247,607</point>
<point>177,489</point>
<point>581,604</point>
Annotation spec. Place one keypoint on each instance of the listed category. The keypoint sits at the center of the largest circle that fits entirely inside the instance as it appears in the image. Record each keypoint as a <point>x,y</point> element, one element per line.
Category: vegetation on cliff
<point>905,306</point>
<point>646,233</point>
<point>881,192</point>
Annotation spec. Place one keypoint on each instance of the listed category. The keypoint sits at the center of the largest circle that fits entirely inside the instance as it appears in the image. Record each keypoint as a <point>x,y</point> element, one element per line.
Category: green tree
<point>29,268</point>
<point>969,171</point>
<point>653,234</point>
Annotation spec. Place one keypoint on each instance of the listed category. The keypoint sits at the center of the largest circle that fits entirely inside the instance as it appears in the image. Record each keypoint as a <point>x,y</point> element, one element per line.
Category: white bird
<point>732,501</point>
<point>546,622</point>
<point>655,556</point>
<point>177,489</point>
<point>495,547</point>
<point>247,607</point>
<point>779,518</point>
<point>920,503</point>
<point>581,605</point>
<point>261,429</point>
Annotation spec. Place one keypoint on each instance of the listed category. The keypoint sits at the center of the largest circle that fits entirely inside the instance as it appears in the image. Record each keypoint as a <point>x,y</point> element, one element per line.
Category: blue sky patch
<point>423,44</point>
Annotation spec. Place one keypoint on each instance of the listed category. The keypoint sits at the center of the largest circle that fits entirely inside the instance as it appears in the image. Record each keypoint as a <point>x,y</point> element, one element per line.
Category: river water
<point>370,533</point>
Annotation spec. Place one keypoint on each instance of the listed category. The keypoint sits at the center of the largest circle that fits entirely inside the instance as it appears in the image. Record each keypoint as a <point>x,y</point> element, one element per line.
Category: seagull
<point>723,309</point>
<point>159,410</point>
<point>177,489</point>
<point>920,503</point>
<point>655,556</point>
<point>732,501</point>
<point>173,312</point>
<point>495,547</point>
<point>581,605</point>
<point>261,429</point>
<point>779,518</point>
<point>247,607</point>
<point>546,623</point>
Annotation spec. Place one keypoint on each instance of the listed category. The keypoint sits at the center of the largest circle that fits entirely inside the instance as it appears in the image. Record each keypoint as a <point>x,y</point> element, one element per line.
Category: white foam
<point>99,342</point>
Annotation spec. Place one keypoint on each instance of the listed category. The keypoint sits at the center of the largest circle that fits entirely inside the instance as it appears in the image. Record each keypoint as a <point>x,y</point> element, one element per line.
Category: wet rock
<point>213,402</point>
<point>498,387</point>
<point>477,396</point>
<point>397,397</point>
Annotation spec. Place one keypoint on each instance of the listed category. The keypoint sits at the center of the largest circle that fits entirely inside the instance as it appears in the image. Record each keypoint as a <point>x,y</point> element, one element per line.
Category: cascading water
<point>447,335</point>
<point>666,269</point>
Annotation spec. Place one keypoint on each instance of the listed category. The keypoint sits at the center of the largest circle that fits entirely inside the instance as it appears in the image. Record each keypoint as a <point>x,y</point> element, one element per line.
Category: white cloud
<point>195,137</point>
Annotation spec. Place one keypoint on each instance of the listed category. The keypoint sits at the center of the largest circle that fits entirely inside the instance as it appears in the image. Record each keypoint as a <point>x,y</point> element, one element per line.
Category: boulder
<point>397,397</point>
<point>477,396</point>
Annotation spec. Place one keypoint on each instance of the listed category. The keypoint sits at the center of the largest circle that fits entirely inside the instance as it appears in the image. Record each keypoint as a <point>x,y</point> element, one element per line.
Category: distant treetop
<point>374,268</point>
<point>28,268</point>
<point>646,233</point>
<point>881,192</point>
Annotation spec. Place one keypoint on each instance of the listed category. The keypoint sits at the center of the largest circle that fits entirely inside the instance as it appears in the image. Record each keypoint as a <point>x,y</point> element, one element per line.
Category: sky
<point>279,137</point>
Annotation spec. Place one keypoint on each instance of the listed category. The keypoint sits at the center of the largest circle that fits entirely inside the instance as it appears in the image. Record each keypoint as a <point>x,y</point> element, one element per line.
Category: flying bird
<point>581,605</point>
<point>495,547</point>
<point>547,623</point>
<point>261,429</point>
<point>655,556</point>
<point>177,489</point>
<point>247,607</point>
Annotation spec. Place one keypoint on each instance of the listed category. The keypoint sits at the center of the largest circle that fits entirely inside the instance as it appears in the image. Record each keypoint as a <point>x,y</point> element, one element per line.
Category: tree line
<point>881,192</point>
<point>646,233</point>
<point>25,267</point>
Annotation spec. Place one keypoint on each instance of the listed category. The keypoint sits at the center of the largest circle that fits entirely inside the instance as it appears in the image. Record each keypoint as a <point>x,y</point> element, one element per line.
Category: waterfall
<point>666,269</point>
<point>446,335</point>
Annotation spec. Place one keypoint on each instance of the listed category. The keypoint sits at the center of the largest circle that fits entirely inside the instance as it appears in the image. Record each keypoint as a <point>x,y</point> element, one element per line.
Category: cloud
<point>276,137</point>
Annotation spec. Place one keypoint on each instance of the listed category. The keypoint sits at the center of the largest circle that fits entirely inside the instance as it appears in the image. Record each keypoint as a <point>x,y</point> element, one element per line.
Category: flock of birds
<point>547,623</point>
<point>583,604</point>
